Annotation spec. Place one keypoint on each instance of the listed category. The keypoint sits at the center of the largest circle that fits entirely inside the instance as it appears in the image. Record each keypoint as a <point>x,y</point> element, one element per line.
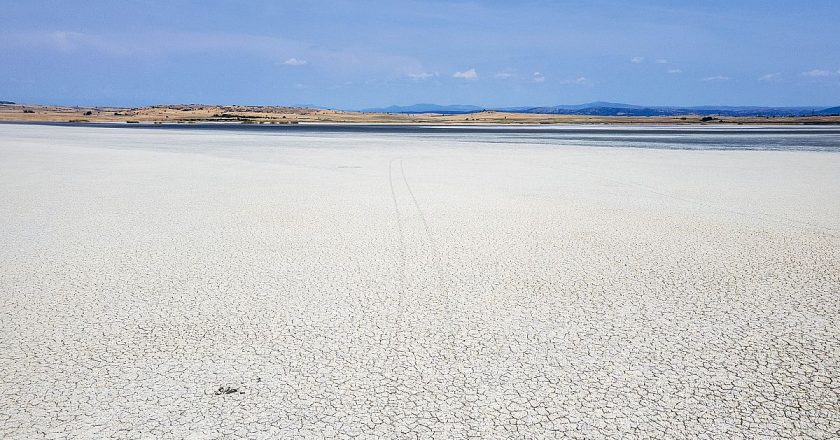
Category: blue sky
<point>355,54</point>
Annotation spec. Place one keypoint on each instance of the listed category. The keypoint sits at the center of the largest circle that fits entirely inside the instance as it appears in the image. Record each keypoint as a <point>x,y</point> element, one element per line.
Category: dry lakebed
<point>329,281</point>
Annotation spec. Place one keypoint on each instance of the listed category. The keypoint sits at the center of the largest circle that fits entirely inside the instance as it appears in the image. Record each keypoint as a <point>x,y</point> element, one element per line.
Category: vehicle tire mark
<point>398,216</point>
<point>754,215</point>
<point>751,214</point>
<point>417,206</point>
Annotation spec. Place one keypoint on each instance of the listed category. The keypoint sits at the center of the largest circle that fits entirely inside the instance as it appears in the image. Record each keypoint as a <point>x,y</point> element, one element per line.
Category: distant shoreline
<point>275,115</point>
<point>643,135</point>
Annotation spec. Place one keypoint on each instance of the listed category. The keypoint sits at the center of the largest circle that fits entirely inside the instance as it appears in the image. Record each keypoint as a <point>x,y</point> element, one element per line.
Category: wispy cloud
<point>175,44</point>
<point>154,43</point>
<point>422,75</point>
<point>295,62</point>
<point>661,61</point>
<point>581,80</point>
<point>539,77</point>
<point>467,74</point>
<point>816,73</point>
<point>504,75</point>
<point>674,70</point>
<point>770,77</point>
<point>637,60</point>
<point>71,42</point>
<point>715,78</point>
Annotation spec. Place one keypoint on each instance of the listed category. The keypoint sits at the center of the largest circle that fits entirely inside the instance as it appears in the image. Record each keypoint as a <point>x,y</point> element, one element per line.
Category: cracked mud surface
<point>214,285</point>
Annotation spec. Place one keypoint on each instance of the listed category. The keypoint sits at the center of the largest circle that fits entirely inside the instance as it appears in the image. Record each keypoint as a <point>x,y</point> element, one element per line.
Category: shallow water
<point>773,138</point>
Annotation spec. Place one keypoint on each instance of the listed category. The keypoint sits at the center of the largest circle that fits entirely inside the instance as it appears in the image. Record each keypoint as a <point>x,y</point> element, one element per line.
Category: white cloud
<point>816,73</point>
<point>504,75</point>
<point>422,75</point>
<point>637,60</point>
<point>662,61</point>
<point>674,70</point>
<point>770,77</point>
<point>467,74</point>
<point>294,62</point>
<point>539,77</point>
<point>581,80</point>
<point>715,78</point>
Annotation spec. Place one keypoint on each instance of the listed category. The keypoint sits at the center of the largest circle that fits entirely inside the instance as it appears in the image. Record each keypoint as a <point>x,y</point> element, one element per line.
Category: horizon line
<point>368,108</point>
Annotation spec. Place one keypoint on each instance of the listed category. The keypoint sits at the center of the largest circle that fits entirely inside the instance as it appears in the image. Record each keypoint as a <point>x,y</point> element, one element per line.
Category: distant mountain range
<point>601,108</point>
<point>597,108</point>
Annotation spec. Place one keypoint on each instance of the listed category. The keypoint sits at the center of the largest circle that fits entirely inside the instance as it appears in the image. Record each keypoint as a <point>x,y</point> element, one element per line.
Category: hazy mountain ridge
<point>830,111</point>
<point>602,108</point>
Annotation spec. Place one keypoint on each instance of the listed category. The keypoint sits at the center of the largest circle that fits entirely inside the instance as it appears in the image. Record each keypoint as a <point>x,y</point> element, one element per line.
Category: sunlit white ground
<point>385,286</point>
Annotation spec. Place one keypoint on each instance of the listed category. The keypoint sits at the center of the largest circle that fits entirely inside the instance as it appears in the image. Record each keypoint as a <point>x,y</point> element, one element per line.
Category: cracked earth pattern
<point>190,284</point>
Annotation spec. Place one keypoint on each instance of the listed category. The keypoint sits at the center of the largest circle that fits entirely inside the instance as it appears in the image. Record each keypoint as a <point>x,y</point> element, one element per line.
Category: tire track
<point>396,204</point>
<point>418,251</point>
<point>398,215</point>
<point>429,235</point>
<point>699,202</point>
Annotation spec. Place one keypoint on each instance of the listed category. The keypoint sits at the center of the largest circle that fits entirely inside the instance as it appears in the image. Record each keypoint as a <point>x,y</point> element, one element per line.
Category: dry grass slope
<point>193,113</point>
